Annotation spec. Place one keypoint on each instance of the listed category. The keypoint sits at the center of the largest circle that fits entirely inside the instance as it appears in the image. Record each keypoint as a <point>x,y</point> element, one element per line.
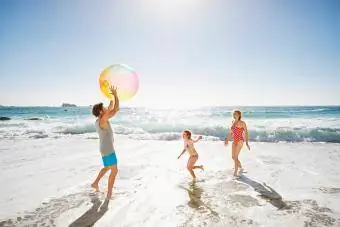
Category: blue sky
<point>186,52</point>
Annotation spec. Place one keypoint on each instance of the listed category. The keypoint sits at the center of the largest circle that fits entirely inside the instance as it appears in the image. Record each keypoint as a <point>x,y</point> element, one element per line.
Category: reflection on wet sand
<point>90,217</point>
<point>195,194</point>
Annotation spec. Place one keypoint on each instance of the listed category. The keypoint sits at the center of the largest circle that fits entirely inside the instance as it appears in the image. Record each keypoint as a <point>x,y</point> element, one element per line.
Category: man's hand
<point>112,110</point>
<point>113,91</point>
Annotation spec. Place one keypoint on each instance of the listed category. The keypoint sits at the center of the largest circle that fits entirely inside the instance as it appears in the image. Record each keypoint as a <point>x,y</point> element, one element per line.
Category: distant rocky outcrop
<point>68,105</point>
<point>5,118</point>
<point>34,119</point>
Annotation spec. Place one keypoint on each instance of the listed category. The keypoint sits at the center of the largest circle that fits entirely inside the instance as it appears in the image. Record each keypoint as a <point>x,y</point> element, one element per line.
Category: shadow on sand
<point>96,212</point>
<point>265,192</point>
<point>195,193</point>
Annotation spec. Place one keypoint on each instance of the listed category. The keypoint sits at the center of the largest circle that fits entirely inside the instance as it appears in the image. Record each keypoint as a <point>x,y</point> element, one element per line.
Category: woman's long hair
<point>239,113</point>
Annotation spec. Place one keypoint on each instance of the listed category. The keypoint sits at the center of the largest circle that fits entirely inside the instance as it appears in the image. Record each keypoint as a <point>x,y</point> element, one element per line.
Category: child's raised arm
<point>197,139</point>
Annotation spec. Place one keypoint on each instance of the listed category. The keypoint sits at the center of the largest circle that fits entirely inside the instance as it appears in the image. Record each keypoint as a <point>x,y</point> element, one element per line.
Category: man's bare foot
<point>95,187</point>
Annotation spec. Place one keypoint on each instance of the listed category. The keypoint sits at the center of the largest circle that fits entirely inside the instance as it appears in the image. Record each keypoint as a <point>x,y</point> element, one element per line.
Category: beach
<point>171,77</point>
<point>47,167</point>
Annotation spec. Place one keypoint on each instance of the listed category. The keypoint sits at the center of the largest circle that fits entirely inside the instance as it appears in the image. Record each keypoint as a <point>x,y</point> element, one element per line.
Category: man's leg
<point>99,177</point>
<point>112,178</point>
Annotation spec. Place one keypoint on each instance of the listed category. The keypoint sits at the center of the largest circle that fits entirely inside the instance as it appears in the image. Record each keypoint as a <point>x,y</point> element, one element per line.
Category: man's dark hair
<point>96,109</point>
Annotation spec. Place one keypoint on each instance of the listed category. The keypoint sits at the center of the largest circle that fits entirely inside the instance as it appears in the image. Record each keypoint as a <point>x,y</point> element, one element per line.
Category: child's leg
<point>192,173</point>
<point>192,160</point>
<point>197,167</point>
<point>112,178</point>
<point>99,177</point>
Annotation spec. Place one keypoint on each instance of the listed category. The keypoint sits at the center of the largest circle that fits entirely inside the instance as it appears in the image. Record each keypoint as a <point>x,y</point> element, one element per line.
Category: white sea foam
<point>281,124</point>
<point>278,130</point>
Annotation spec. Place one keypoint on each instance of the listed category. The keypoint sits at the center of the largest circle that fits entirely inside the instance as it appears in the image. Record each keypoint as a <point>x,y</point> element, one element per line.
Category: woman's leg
<point>233,155</point>
<point>111,181</point>
<point>239,163</point>
<point>99,177</point>
<point>191,162</point>
<point>237,150</point>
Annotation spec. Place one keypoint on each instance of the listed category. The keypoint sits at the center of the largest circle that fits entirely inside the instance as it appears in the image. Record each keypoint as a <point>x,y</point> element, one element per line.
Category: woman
<point>189,146</point>
<point>237,129</point>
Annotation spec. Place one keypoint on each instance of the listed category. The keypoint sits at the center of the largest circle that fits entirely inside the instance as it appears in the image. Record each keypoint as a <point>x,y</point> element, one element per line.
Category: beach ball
<point>121,76</point>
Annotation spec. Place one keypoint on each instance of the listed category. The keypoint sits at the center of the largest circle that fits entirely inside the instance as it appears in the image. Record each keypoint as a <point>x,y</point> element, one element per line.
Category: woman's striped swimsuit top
<point>237,133</point>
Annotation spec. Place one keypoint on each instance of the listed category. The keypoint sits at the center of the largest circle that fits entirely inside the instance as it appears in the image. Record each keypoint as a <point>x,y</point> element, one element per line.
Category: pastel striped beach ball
<point>121,76</point>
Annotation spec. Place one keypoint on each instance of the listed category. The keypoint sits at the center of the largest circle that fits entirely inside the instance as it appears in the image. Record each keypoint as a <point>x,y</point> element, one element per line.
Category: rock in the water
<point>34,119</point>
<point>5,118</point>
<point>68,105</point>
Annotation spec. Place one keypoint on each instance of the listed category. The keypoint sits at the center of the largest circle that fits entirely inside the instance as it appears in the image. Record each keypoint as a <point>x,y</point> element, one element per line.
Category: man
<point>105,132</point>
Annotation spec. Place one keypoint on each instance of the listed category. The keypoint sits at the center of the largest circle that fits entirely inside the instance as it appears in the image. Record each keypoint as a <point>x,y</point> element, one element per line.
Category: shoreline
<point>212,139</point>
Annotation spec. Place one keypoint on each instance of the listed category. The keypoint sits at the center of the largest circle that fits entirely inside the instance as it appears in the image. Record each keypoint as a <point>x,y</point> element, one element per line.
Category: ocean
<point>265,124</point>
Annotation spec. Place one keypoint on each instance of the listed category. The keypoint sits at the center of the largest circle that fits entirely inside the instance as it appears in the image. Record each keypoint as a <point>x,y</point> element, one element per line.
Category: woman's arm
<point>246,134</point>
<point>228,137</point>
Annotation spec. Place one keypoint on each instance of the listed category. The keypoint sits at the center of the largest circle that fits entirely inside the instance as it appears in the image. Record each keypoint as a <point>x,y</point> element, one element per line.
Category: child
<point>189,146</point>
<point>237,129</point>
<point>106,140</point>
